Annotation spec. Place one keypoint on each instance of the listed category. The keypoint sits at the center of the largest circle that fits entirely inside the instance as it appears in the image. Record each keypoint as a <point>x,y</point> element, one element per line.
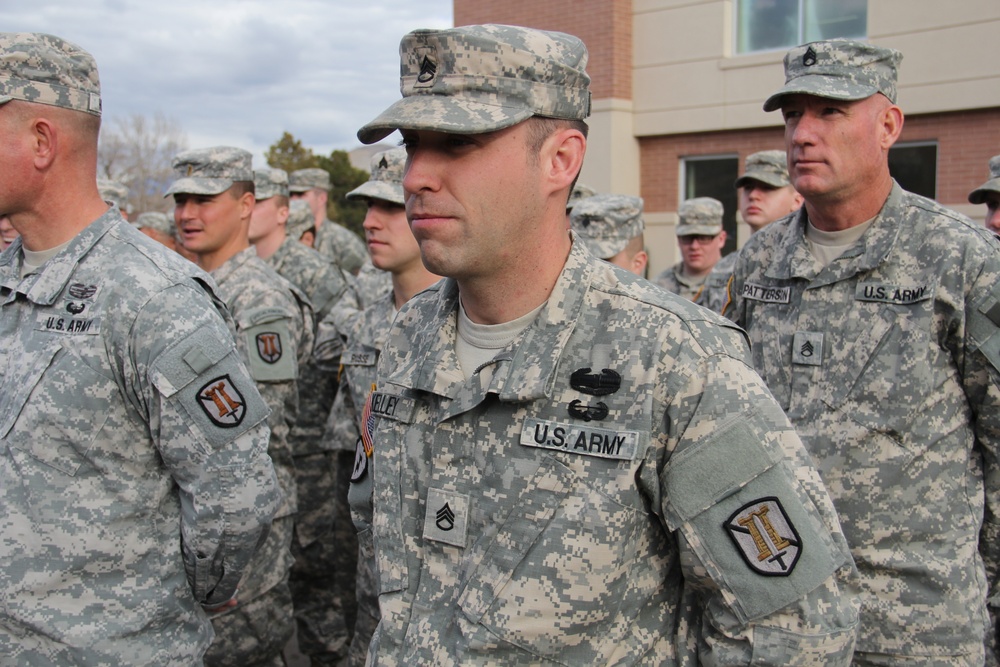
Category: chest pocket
<point>880,374</point>
<point>54,407</point>
<point>580,545</point>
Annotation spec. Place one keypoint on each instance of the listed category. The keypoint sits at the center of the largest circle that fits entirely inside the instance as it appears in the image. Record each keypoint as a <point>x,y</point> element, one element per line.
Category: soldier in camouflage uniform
<point>701,238</point>
<point>989,193</point>
<point>159,227</point>
<point>115,193</point>
<point>611,227</point>
<point>316,574</point>
<point>332,239</point>
<point>134,479</point>
<point>874,316</point>
<point>570,465</point>
<point>394,251</point>
<point>765,195</point>
<point>213,196</point>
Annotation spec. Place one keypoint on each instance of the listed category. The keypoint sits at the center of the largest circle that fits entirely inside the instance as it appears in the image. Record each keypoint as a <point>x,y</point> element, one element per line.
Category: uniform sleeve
<point>981,381</point>
<point>335,327</point>
<point>768,575</point>
<point>209,424</point>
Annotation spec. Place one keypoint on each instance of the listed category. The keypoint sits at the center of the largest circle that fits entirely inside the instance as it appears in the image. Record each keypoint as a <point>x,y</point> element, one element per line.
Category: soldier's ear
<point>562,157</point>
<point>44,142</point>
<point>891,125</point>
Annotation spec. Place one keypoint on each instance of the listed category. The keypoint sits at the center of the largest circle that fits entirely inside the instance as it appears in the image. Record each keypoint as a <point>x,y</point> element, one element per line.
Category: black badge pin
<point>75,308</point>
<point>588,412</point>
<point>809,57</point>
<point>596,384</point>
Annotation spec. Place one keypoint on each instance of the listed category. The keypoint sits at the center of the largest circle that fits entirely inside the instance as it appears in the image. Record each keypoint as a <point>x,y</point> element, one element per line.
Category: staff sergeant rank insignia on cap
<point>269,346</point>
<point>428,69</point>
<point>222,402</point>
<point>765,537</point>
<point>809,57</point>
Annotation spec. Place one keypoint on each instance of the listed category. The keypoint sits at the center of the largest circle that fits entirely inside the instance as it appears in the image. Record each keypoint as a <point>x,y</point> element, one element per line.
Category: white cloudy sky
<point>241,72</point>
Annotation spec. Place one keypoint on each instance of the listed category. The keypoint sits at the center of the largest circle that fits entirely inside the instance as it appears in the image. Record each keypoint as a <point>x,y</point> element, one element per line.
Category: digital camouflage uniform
<point>134,480</point>
<point>274,324</point>
<point>364,343</point>
<point>616,486</point>
<point>315,574</point>
<point>551,512</point>
<point>275,333</point>
<point>715,290</point>
<point>332,239</point>
<point>701,216</point>
<point>886,363</point>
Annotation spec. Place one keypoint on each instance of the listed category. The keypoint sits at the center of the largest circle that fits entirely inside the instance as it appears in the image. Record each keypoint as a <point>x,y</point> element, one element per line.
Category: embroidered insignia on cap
<point>596,384</point>
<point>383,163</point>
<point>765,538</point>
<point>588,412</point>
<point>809,57</point>
<point>428,68</point>
<point>269,346</point>
<point>190,170</point>
<point>222,402</point>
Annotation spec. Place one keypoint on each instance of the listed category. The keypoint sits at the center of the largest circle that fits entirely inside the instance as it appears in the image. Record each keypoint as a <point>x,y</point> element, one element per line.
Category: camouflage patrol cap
<point>303,180</point>
<point>700,216</point>
<point>606,223</point>
<point>45,69</point>
<point>992,186</point>
<point>300,219</point>
<point>483,78</point>
<point>386,182</point>
<point>209,171</point>
<point>114,192</point>
<point>580,192</point>
<point>839,69</point>
<point>269,183</point>
<point>157,221</point>
<point>767,167</point>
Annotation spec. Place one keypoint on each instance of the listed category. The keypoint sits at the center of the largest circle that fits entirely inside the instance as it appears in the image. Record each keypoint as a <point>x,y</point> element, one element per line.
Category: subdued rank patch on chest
<point>765,538</point>
<point>269,346</point>
<point>446,517</point>
<point>222,402</point>
<point>576,439</point>
<point>807,348</point>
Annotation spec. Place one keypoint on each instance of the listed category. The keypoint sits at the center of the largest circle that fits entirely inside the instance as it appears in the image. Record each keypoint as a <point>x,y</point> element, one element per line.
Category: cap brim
<point>980,194</point>
<point>766,179</point>
<point>440,113</point>
<point>198,186</point>
<point>378,190</point>
<point>697,230</point>
<point>821,85</point>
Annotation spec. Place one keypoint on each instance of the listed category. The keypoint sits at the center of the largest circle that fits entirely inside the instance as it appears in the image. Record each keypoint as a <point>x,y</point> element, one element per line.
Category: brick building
<point>678,87</point>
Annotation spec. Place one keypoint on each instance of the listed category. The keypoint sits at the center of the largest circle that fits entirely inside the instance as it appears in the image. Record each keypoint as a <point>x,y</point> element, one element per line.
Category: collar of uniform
<point>51,280</point>
<point>792,258</point>
<point>527,374</point>
<point>233,263</point>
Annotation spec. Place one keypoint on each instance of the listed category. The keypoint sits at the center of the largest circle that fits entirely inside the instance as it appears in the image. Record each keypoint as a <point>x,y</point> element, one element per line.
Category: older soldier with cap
<point>874,315</point>
<point>765,195</point>
<point>213,203</point>
<point>989,193</point>
<point>611,227</point>
<point>570,465</point>
<point>157,226</point>
<point>332,239</point>
<point>700,237</point>
<point>315,575</point>
<point>134,479</point>
<point>394,251</point>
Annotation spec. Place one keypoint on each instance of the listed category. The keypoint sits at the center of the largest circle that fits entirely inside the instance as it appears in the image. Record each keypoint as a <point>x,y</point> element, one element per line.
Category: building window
<point>713,176</point>
<point>763,25</point>
<point>914,166</point>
